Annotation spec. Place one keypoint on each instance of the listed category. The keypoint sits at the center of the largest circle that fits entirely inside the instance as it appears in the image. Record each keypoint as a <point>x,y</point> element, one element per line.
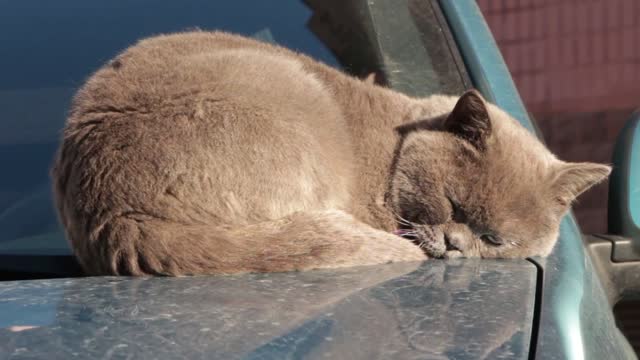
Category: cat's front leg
<point>299,241</point>
<point>331,239</point>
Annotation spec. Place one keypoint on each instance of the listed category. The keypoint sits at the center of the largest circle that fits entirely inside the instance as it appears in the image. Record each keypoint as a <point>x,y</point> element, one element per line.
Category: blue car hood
<point>463,309</point>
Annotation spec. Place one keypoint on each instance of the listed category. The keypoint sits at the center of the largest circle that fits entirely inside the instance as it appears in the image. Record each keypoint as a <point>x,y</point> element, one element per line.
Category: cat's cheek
<point>479,249</point>
<point>502,252</point>
<point>489,253</point>
<point>549,242</point>
<point>472,252</point>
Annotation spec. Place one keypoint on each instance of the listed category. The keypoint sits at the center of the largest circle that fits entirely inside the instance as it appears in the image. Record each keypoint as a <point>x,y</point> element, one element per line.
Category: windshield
<point>50,48</point>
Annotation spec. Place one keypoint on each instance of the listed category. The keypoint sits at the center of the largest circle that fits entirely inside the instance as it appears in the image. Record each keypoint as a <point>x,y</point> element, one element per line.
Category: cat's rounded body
<point>212,153</point>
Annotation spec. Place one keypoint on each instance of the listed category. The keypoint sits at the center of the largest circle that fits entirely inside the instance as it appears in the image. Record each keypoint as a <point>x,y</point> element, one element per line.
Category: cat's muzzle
<point>432,240</point>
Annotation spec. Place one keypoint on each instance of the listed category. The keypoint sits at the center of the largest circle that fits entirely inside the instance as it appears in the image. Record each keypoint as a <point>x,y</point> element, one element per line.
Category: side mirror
<point>616,255</point>
<point>624,185</point>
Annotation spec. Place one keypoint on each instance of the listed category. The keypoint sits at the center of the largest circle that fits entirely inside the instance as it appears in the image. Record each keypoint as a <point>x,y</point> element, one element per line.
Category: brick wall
<point>577,66</point>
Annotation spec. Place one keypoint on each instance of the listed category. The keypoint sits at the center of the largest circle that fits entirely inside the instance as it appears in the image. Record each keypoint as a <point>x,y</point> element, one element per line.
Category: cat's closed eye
<point>492,239</point>
<point>458,216</point>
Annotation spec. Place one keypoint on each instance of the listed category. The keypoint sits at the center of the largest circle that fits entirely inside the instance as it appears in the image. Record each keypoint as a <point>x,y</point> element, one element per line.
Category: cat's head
<point>478,184</point>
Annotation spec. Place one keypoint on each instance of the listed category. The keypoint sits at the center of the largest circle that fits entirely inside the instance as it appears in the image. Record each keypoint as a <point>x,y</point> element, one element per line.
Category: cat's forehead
<point>507,133</point>
<point>514,139</point>
<point>513,179</point>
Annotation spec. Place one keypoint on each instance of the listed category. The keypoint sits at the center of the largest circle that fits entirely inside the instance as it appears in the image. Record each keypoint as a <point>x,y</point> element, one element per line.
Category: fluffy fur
<point>213,153</point>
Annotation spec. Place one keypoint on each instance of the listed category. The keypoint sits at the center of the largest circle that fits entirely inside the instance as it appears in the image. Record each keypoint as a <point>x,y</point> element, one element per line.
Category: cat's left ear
<point>572,179</point>
<point>470,119</point>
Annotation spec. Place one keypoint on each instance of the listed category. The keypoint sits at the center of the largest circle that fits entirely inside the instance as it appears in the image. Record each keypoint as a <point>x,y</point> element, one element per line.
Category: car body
<point>553,307</point>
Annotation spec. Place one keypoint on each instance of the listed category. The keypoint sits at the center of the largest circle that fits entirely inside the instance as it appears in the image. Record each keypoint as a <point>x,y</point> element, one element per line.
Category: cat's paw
<point>453,254</point>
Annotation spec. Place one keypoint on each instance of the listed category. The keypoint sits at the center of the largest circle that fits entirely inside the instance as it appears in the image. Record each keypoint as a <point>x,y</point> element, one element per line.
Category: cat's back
<point>197,65</point>
<point>204,124</point>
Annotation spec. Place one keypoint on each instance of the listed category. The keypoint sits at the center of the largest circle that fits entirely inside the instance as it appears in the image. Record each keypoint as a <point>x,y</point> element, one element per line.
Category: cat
<point>212,153</point>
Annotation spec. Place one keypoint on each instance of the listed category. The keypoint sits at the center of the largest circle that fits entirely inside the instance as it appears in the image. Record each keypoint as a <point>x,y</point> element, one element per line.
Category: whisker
<point>406,234</point>
<point>400,219</point>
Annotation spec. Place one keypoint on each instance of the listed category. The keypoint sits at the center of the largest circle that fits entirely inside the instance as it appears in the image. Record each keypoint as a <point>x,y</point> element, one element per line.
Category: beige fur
<point>213,153</point>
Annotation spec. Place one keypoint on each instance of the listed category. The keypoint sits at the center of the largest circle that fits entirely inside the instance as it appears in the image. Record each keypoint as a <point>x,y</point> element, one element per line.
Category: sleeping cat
<point>207,152</point>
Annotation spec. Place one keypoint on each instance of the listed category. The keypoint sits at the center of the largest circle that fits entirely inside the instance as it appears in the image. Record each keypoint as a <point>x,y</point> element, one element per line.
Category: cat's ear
<point>572,179</point>
<point>470,119</point>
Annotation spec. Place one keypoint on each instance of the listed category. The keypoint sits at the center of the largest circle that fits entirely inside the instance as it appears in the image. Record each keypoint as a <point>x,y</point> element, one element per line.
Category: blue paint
<point>392,311</point>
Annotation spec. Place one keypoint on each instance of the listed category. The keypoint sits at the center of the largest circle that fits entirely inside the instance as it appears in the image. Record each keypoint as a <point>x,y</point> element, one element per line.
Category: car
<point>559,306</point>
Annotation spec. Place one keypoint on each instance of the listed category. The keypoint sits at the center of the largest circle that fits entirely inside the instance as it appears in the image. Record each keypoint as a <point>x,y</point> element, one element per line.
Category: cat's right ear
<point>470,119</point>
<point>572,179</point>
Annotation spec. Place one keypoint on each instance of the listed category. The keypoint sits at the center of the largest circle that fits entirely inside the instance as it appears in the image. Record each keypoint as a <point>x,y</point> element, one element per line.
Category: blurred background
<point>576,64</point>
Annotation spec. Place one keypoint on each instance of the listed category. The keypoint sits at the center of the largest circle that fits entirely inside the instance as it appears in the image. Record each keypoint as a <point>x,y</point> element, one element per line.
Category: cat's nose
<point>453,240</point>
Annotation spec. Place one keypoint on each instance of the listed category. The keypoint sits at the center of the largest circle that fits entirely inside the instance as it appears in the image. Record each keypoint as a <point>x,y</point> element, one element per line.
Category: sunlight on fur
<point>206,152</point>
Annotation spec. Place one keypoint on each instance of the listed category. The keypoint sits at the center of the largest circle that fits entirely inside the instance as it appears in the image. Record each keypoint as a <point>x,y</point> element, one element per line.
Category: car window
<point>51,47</point>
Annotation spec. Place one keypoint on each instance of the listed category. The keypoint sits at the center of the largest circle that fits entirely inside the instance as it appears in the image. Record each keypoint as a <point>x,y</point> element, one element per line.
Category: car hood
<point>436,309</point>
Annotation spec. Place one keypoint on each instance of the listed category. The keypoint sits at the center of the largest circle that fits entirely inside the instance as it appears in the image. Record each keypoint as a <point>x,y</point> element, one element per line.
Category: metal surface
<point>576,317</point>
<point>442,309</point>
<point>620,279</point>
<point>575,320</point>
<point>624,251</point>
